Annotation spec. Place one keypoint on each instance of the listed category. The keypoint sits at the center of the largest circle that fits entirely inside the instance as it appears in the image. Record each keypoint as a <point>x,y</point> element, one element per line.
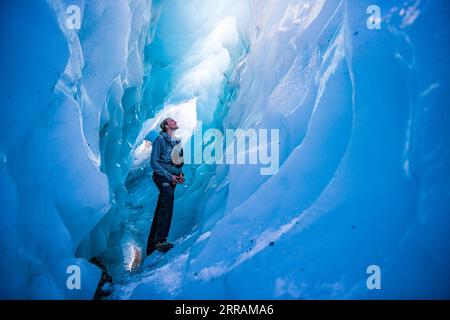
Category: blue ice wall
<point>55,190</point>
<point>363,175</point>
<point>41,185</point>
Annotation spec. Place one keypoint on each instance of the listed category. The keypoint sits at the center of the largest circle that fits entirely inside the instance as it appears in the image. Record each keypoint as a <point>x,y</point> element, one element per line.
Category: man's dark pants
<point>163,212</point>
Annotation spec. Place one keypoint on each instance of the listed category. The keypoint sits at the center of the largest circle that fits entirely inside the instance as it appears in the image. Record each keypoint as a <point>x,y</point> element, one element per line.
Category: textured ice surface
<point>53,104</point>
<point>364,147</point>
<point>355,108</point>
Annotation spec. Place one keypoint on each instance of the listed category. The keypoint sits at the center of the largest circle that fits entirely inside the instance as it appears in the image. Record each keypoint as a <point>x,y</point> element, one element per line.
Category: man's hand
<point>178,179</point>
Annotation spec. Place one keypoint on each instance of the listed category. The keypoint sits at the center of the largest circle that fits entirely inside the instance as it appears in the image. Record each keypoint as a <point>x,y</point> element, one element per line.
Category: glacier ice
<point>364,147</point>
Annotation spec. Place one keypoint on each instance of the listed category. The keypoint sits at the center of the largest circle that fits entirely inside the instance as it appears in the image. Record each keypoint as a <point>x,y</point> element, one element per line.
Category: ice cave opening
<point>193,76</point>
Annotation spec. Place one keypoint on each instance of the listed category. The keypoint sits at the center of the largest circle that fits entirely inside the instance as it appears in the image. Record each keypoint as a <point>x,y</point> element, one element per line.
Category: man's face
<point>172,124</point>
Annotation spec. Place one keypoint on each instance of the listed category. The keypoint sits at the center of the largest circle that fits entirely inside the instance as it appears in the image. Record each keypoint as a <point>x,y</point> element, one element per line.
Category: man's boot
<point>163,246</point>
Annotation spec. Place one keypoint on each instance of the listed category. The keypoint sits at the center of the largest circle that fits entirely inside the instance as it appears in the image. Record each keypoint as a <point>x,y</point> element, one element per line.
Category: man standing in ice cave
<point>166,162</point>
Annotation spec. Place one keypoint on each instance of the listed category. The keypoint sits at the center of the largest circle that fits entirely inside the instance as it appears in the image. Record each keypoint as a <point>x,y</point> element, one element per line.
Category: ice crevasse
<point>362,176</point>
